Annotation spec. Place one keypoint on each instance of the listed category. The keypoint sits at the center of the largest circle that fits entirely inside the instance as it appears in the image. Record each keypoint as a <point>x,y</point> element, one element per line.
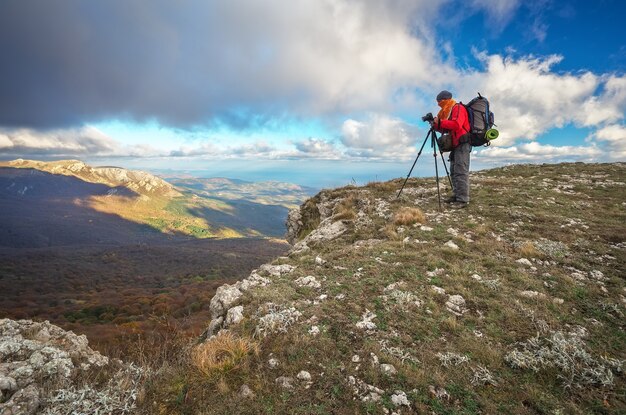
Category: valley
<point>113,293</point>
<point>113,253</point>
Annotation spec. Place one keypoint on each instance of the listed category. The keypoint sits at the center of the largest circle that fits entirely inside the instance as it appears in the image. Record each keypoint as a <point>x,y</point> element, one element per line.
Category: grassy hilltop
<point>514,305</point>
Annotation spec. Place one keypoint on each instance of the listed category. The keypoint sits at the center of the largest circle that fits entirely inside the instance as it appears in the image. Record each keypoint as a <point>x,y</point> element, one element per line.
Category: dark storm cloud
<point>187,62</point>
<point>66,62</point>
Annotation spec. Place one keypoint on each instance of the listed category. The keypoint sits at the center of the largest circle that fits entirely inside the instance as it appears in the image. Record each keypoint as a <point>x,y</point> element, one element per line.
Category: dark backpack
<point>480,120</point>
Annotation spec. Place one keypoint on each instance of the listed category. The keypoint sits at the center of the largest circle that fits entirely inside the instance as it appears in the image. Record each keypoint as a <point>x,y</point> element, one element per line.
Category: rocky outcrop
<point>294,224</point>
<point>223,307</point>
<point>40,363</point>
<point>317,214</point>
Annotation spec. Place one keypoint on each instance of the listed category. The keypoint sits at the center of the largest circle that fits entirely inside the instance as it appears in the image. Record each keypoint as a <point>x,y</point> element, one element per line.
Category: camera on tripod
<point>428,117</point>
<point>437,144</point>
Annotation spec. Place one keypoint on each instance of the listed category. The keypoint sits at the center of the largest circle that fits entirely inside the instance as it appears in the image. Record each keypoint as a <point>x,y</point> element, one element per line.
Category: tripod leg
<point>433,142</point>
<point>413,166</point>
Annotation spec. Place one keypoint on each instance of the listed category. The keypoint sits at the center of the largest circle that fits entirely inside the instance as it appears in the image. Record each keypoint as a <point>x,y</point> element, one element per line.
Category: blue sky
<point>318,92</point>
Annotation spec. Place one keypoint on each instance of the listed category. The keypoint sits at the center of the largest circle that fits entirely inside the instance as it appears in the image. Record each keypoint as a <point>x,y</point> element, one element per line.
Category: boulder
<point>234,316</point>
<point>456,305</point>
<point>225,297</point>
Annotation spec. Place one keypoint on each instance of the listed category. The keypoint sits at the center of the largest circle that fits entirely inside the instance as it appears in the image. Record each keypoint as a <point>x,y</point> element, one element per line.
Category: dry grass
<point>346,208</point>
<point>390,233</point>
<point>409,216</point>
<point>528,250</point>
<point>384,187</point>
<point>222,354</point>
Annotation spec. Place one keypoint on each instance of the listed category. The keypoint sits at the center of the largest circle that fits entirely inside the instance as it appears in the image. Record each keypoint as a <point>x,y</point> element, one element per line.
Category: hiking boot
<point>458,205</point>
<point>451,199</point>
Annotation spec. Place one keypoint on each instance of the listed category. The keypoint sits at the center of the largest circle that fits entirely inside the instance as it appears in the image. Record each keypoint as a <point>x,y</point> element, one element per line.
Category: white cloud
<point>379,136</point>
<point>258,149</point>
<point>5,142</point>
<point>612,133</point>
<point>205,149</point>
<point>614,139</point>
<point>529,98</point>
<point>75,141</point>
<point>316,148</point>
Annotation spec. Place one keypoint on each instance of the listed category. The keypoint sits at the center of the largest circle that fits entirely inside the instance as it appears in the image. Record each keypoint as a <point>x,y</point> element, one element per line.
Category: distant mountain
<point>40,209</point>
<point>69,202</point>
<point>135,180</point>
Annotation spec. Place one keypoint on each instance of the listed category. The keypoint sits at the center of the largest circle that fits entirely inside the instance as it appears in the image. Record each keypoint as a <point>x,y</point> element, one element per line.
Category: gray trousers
<point>459,170</point>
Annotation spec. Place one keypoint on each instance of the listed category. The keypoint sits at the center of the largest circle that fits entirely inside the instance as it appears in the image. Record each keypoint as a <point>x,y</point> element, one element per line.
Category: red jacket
<point>457,124</point>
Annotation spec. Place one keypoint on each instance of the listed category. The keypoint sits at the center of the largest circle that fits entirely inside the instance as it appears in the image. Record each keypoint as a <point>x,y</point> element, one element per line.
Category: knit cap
<point>444,95</point>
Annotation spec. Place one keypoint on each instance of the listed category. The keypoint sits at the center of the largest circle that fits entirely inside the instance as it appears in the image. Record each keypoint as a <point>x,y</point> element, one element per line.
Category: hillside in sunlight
<point>68,202</point>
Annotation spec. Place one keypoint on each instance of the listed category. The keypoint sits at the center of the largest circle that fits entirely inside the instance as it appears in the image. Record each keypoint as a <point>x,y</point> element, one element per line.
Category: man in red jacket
<point>453,119</point>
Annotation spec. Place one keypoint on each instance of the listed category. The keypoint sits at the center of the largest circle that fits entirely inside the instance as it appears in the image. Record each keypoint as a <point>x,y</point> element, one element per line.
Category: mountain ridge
<point>135,180</point>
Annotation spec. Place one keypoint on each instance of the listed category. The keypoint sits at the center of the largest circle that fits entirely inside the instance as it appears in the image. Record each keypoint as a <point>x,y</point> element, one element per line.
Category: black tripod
<point>433,143</point>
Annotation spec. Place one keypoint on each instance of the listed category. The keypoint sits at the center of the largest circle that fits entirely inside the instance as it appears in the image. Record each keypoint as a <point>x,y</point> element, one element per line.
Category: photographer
<point>453,119</point>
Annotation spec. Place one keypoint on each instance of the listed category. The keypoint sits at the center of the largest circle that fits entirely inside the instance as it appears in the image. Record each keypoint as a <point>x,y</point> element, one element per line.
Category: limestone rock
<point>214,326</point>
<point>399,398</point>
<point>284,382</point>
<point>24,402</point>
<point>245,392</point>
<point>388,369</point>
<point>533,294</point>
<point>254,280</point>
<point>451,245</point>
<point>39,367</point>
<point>326,231</point>
<point>456,305</point>
<point>308,281</point>
<point>224,298</point>
<point>294,224</point>
<point>277,270</point>
<point>304,376</point>
<point>366,323</point>
<point>299,248</point>
<point>234,316</point>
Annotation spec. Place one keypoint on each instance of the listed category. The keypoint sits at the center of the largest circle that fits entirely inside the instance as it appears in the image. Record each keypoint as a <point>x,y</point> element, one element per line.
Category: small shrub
<point>566,353</point>
<point>451,359</point>
<point>221,354</point>
<point>482,376</point>
<point>409,216</point>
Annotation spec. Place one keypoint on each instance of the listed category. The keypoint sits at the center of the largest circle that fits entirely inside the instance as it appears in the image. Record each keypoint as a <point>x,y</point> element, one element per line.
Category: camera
<point>428,117</point>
